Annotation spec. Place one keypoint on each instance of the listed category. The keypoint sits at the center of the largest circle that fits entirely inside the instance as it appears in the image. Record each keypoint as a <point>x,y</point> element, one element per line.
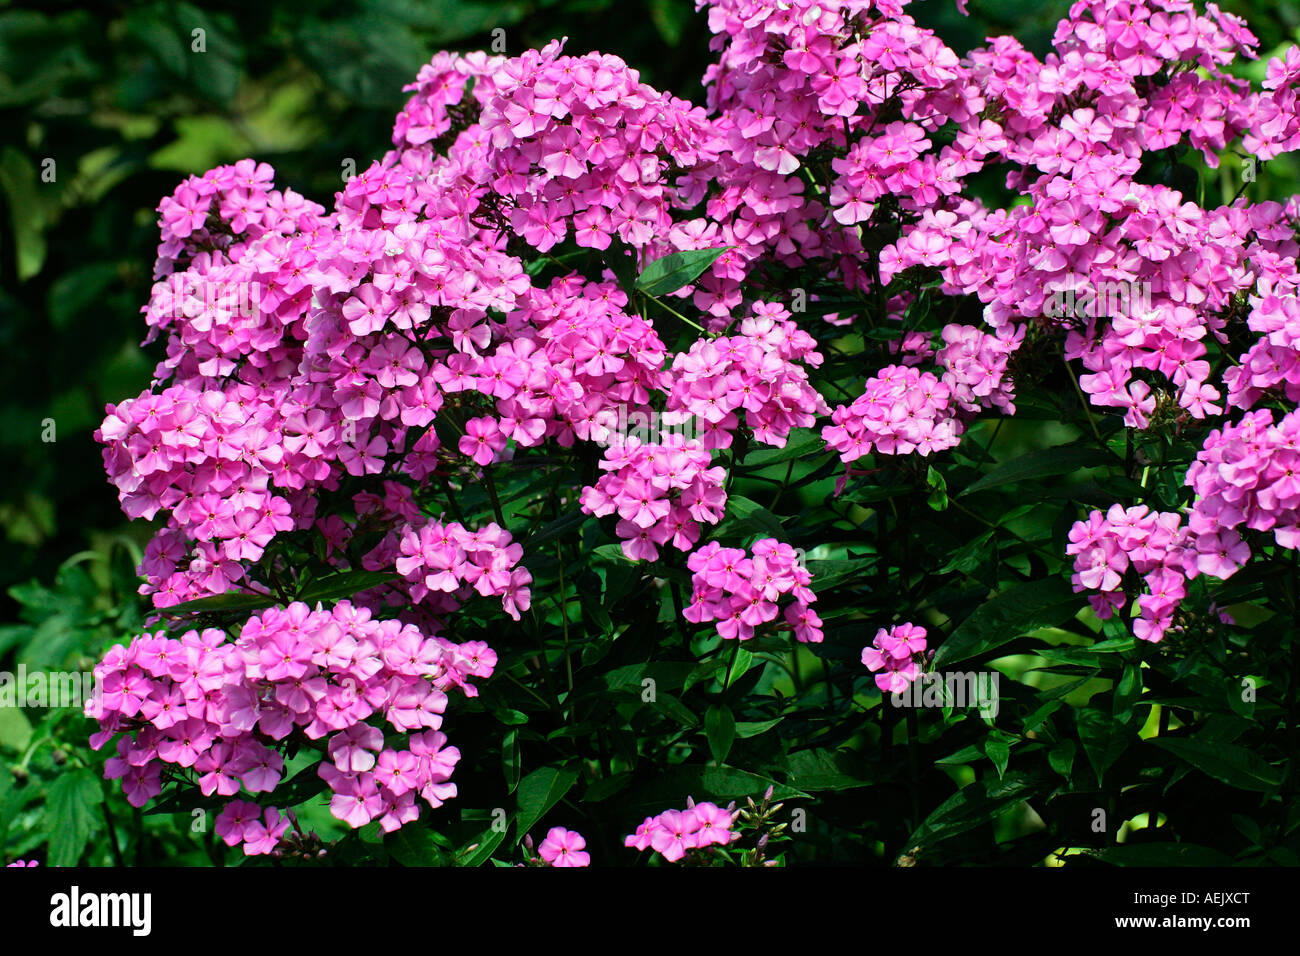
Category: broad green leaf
<point>23,195</point>
<point>15,729</point>
<point>802,443</point>
<point>1128,690</point>
<point>826,769</point>
<point>835,571</point>
<point>720,728</point>
<point>967,755</point>
<point>1234,765</point>
<point>1061,756</point>
<point>754,517</point>
<point>539,791</point>
<point>938,499</point>
<point>71,815</point>
<point>1043,463</point>
<point>998,750</point>
<point>510,758</point>
<point>337,587</point>
<point>667,704</point>
<point>977,804</point>
<point>1008,615</point>
<point>606,787</point>
<point>969,556</point>
<point>415,845</point>
<point>738,668</point>
<point>753,728</point>
<point>478,850</point>
<point>230,601</point>
<point>676,270</point>
<point>1103,737</point>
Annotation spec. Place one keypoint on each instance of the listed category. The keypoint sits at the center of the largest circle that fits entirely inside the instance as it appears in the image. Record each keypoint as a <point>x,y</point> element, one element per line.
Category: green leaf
<point>80,290</point>
<point>487,843</point>
<point>606,787</point>
<point>1128,690</point>
<point>737,668</point>
<point>835,571</point>
<point>1162,854</point>
<point>336,587</point>
<point>753,728</point>
<point>612,552</point>
<point>801,443</point>
<point>720,728</point>
<point>303,786</point>
<point>230,601</point>
<point>977,804</point>
<point>670,19</point>
<point>23,196</point>
<point>998,750</point>
<point>754,517</point>
<point>938,499</point>
<point>676,270</point>
<point>1009,615</point>
<point>539,791</point>
<point>1061,756</point>
<point>827,769</point>
<point>417,846</point>
<point>71,815</point>
<point>1043,463</point>
<point>969,556</point>
<point>667,704</point>
<point>15,729</point>
<point>967,755</point>
<point>1103,737</point>
<point>1236,766</point>
<point>510,759</point>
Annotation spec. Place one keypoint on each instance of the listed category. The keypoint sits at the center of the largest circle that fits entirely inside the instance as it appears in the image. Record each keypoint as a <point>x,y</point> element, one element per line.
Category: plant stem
<point>668,308</point>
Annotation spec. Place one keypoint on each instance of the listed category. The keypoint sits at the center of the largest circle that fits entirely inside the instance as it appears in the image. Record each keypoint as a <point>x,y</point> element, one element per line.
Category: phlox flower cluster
<point>1270,367</point>
<point>740,591</point>
<point>662,493</point>
<point>1248,474</point>
<point>800,78</point>
<point>1154,544</point>
<point>565,378</point>
<point>837,139</point>
<point>895,656</point>
<point>444,565</point>
<point>1076,125</point>
<point>902,411</point>
<point>905,410</point>
<point>212,711</point>
<point>256,831</point>
<point>674,833</point>
<point>754,372</point>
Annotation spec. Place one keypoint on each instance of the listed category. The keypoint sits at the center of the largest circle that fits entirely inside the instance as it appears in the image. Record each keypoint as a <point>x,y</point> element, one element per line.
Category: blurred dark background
<point>105,106</point>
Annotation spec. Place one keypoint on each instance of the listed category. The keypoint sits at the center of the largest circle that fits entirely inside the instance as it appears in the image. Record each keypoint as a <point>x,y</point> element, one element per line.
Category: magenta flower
<point>564,848</point>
